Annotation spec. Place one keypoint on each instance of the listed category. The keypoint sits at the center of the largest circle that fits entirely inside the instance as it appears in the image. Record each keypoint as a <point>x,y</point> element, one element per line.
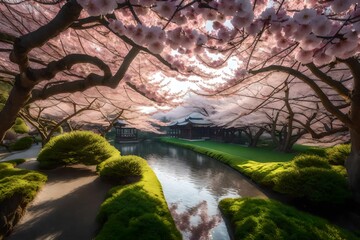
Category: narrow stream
<point>193,184</point>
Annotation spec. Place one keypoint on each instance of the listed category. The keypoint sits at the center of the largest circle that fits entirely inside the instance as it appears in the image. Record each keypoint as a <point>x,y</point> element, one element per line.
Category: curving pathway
<point>66,207</point>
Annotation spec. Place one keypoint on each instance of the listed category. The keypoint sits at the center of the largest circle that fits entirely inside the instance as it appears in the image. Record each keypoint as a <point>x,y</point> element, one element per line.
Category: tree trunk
<point>352,165</point>
<point>17,98</point>
<point>256,138</point>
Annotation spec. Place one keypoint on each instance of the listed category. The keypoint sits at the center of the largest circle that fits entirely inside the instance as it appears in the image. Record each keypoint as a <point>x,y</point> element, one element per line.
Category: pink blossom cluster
<point>320,38</point>
<point>310,25</point>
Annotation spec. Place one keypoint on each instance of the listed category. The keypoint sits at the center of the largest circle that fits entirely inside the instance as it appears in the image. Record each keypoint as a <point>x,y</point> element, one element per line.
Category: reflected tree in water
<point>195,222</point>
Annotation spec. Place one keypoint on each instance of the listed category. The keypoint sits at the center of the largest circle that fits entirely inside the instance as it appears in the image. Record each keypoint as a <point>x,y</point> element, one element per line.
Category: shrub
<point>22,144</point>
<point>18,187</point>
<point>268,219</point>
<point>123,169</point>
<point>20,126</point>
<point>137,210</point>
<point>76,147</point>
<point>337,155</point>
<point>303,161</point>
<point>314,184</point>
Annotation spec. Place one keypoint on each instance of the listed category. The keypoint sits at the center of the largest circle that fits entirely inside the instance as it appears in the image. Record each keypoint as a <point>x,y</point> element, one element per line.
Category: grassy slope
<point>259,219</point>
<point>137,211</point>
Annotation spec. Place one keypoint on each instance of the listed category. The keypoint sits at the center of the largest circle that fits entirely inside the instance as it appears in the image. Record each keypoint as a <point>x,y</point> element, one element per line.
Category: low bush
<point>22,144</point>
<point>303,161</point>
<point>337,155</point>
<point>76,147</point>
<point>305,178</point>
<point>124,169</point>
<point>314,184</point>
<point>137,210</point>
<point>20,126</point>
<point>18,187</point>
<point>258,219</point>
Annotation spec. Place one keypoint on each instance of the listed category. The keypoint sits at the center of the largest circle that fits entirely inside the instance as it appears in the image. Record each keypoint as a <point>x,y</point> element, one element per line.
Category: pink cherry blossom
<point>322,59</point>
<point>305,16</point>
<point>301,32</point>
<point>310,42</point>
<point>242,21</point>
<point>339,6</point>
<point>227,7</point>
<point>304,57</point>
<point>166,8</point>
<point>321,25</point>
<point>117,26</point>
<point>243,7</point>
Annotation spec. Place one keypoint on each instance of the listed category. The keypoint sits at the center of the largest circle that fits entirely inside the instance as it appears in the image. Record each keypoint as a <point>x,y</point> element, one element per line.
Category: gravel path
<point>65,208</point>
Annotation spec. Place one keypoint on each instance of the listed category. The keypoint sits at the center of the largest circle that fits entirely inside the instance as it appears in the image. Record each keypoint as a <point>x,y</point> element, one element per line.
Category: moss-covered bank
<point>137,210</point>
<point>18,187</point>
<point>259,219</point>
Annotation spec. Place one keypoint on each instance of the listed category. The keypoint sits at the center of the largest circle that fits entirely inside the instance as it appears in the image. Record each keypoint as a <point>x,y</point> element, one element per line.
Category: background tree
<point>55,48</point>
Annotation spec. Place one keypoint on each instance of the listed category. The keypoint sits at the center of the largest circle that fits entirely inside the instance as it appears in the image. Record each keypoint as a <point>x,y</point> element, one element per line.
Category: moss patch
<point>255,219</point>
<point>137,210</point>
<point>18,187</point>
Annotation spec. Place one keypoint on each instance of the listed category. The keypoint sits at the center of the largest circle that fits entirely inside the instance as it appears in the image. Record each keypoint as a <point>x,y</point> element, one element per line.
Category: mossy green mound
<point>22,144</point>
<point>137,210</point>
<point>123,169</point>
<point>18,188</point>
<point>19,181</point>
<point>259,219</point>
<point>76,147</point>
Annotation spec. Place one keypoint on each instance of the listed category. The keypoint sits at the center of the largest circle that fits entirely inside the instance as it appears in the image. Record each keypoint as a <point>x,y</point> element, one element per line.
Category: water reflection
<point>193,184</point>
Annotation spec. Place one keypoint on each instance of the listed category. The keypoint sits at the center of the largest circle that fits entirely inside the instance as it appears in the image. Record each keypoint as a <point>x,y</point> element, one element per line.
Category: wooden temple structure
<point>196,127</point>
<point>125,133</point>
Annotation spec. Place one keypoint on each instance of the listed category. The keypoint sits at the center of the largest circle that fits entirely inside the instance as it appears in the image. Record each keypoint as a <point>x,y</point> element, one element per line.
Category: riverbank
<point>270,168</point>
<point>68,205</point>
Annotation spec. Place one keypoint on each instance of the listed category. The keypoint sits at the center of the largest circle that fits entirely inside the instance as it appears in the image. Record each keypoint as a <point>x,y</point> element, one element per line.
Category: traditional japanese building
<point>194,126</point>
<point>125,133</point>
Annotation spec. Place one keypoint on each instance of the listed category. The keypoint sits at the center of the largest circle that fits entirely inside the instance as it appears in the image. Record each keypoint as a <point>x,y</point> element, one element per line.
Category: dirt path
<point>65,208</point>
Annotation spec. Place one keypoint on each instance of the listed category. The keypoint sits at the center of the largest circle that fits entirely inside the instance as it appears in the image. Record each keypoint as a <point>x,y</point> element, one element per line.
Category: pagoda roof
<point>194,118</point>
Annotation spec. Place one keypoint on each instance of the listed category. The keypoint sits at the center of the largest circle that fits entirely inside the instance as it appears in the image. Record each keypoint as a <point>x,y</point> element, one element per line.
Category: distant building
<point>194,126</point>
<point>125,133</point>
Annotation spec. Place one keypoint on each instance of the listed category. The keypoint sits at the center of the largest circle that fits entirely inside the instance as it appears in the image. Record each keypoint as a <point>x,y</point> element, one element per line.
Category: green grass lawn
<point>243,153</point>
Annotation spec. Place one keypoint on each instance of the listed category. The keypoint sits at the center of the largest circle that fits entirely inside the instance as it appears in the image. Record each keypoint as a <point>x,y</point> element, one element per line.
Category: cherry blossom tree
<point>52,47</point>
<point>316,42</point>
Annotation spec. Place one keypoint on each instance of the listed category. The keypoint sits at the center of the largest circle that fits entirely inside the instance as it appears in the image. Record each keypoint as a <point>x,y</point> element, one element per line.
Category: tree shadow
<point>70,216</point>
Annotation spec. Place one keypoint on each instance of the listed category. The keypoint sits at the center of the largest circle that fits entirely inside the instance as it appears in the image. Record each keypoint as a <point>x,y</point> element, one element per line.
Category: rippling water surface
<point>193,184</point>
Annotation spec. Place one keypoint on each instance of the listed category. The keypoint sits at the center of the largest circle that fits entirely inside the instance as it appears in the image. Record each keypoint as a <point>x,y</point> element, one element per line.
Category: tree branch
<point>322,96</point>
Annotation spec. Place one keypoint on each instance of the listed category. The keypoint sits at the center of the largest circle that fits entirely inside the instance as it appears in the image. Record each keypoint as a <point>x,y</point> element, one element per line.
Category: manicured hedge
<point>76,147</point>
<point>22,144</point>
<point>20,126</point>
<point>137,210</point>
<point>18,187</point>
<point>260,219</point>
<point>123,169</point>
<point>338,154</point>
